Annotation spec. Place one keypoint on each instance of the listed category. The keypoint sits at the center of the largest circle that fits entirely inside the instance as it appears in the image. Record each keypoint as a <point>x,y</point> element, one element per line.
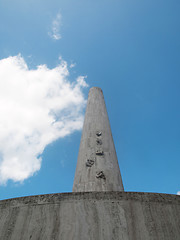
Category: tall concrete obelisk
<point>97,167</point>
<point>87,215</point>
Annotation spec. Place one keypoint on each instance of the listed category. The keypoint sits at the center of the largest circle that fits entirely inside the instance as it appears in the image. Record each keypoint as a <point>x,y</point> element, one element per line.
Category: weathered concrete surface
<point>91,216</point>
<point>97,167</point>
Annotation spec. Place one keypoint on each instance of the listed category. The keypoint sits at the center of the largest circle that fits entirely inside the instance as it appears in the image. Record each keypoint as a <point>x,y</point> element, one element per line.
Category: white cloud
<point>37,107</point>
<point>178,193</point>
<point>55,28</point>
<point>72,65</point>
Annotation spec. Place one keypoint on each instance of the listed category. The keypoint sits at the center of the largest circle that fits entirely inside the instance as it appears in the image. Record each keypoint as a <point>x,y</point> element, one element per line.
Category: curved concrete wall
<point>96,216</point>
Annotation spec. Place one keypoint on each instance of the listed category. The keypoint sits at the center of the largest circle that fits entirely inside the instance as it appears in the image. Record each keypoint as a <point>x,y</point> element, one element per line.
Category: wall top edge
<point>100,196</point>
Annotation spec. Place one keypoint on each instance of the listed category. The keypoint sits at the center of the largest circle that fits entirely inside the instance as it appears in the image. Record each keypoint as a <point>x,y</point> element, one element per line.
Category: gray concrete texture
<point>97,166</point>
<point>91,216</point>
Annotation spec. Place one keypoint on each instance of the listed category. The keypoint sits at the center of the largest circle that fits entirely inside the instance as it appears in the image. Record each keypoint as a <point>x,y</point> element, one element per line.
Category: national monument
<point>98,208</point>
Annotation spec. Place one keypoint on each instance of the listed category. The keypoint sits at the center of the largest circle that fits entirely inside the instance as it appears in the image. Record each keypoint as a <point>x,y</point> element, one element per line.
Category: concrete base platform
<point>93,215</point>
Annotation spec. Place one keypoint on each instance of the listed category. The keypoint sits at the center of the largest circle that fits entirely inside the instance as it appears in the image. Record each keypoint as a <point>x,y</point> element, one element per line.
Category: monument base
<point>91,215</point>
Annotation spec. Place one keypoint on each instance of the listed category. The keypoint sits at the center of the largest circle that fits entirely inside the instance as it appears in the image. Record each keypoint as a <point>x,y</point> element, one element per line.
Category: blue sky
<point>131,49</point>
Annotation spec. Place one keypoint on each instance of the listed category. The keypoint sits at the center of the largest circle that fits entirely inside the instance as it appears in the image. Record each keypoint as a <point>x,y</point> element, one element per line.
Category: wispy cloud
<point>72,65</point>
<point>37,107</point>
<point>54,33</point>
<point>178,193</point>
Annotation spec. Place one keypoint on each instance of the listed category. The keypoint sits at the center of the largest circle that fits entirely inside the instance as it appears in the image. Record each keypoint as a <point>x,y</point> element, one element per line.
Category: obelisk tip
<point>95,88</point>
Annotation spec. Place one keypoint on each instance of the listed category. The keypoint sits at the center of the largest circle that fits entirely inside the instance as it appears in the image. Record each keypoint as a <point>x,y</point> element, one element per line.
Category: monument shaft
<point>97,166</point>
